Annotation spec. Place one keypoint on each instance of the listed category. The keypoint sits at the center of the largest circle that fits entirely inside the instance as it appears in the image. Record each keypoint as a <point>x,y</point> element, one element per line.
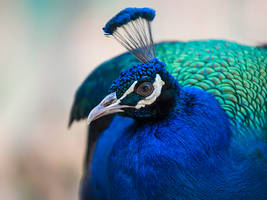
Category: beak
<point>109,105</point>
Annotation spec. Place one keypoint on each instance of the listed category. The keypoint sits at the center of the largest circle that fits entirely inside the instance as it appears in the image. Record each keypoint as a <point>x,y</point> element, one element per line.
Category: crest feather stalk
<point>131,27</point>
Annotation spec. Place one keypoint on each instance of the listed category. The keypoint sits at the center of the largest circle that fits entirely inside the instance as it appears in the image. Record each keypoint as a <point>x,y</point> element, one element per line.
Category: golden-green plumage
<point>235,74</point>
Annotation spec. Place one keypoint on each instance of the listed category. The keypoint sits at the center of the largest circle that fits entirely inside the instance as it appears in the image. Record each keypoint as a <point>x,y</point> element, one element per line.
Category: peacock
<point>174,120</point>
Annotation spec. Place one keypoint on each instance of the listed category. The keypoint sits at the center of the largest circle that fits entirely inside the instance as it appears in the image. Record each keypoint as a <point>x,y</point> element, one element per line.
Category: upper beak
<point>110,104</point>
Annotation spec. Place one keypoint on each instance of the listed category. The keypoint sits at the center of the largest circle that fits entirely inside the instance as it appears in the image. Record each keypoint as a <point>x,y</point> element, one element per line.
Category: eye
<point>144,89</point>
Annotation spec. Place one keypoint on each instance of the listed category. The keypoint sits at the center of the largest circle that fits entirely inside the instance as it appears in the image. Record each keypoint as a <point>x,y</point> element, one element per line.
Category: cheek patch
<point>158,83</point>
<point>131,99</point>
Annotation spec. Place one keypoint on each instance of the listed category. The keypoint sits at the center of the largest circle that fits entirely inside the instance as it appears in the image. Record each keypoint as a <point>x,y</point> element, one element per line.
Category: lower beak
<point>109,105</point>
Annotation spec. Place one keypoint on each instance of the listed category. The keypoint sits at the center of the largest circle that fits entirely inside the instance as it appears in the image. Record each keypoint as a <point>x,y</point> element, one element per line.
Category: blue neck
<point>196,124</point>
<point>141,159</point>
<point>191,141</point>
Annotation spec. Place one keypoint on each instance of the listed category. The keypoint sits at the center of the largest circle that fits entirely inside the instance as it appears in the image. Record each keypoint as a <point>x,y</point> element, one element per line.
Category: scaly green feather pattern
<point>235,74</point>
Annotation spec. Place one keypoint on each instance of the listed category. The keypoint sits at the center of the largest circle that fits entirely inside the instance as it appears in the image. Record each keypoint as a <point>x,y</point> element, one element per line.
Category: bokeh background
<point>48,47</point>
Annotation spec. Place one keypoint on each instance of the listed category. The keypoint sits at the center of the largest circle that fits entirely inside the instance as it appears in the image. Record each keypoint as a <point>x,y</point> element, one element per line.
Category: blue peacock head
<point>144,90</point>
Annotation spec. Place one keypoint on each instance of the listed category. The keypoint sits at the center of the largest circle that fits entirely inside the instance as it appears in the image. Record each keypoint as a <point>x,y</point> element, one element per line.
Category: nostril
<point>108,102</point>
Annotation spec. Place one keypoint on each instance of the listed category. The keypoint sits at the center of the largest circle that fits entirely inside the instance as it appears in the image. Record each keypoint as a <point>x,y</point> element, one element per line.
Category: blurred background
<point>48,47</point>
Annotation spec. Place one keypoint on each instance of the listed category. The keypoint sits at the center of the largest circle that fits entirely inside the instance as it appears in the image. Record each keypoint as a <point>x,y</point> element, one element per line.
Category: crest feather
<point>131,27</point>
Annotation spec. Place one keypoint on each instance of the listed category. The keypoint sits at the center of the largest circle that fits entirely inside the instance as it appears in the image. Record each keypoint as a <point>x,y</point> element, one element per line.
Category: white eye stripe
<point>130,90</point>
<point>158,83</point>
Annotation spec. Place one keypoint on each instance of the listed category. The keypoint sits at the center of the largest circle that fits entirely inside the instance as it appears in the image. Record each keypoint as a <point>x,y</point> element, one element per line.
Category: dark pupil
<point>145,89</point>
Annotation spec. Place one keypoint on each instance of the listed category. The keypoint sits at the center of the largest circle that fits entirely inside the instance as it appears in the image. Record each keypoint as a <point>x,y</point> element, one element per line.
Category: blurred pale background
<point>48,47</point>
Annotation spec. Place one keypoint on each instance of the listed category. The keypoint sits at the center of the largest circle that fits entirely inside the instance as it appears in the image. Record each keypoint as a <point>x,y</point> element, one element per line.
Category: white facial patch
<point>158,83</point>
<point>130,90</point>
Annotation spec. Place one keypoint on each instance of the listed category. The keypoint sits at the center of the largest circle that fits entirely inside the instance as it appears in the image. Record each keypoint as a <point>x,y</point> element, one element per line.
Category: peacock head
<point>145,90</point>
